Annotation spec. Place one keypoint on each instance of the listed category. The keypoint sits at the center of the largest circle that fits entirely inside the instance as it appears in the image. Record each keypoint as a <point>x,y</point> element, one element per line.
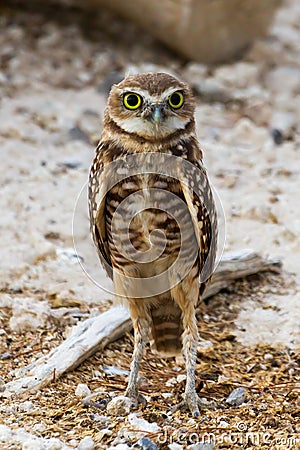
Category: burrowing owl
<point>153,220</point>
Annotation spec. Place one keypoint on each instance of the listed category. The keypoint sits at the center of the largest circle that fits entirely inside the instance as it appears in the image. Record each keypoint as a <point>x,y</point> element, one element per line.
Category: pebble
<point>32,444</point>
<point>39,427</point>
<point>114,371</point>
<point>86,443</point>
<point>180,378</point>
<point>171,382</point>
<point>223,424</point>
<point>26,407</point>
<point>175,446</point>
<point>104,432</point>
<point>77,134</point>
<point>204,346</point>
<point>284,122</point>
<point>268,357</point>
<point>202,446</point>
<point>212,91</point>
<point>146,444</point>
<point>82,390</point>
<point>277,136</point>
<point>167,394</point>
<point>141,424</point>
<point>119,406</point>
<point>236,397</point>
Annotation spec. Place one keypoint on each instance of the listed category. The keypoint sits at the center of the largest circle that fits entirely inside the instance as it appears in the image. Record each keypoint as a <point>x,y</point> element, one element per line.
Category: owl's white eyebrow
<point>144,93</point>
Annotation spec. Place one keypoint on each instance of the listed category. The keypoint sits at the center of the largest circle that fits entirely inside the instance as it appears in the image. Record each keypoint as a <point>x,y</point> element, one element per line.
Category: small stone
<point>119,406</point>
<point>70,165</point>
<point>77,134</point>
<point>236,397</point>
<point>114,371</point>
<point>181,378</point>
<point>191,422</point>
<point>140,424</point>
<point>277,136</point>
<point>104,432</point>
<point>82,390</point>
<point>268,357</point>
<point>100,418</point>
<point>39,427</point>
<point>171,382</point>
<point>26,407</point>
<point>167,394</point>
<point>32,444</point>
<point>212,91</point>
<point>202,446</point>
<point>204,346</point>
<point>285,123</point>
<point>175,446</point>
<point>86,443</point>
<point>145,444</point>
<point>223,424</point>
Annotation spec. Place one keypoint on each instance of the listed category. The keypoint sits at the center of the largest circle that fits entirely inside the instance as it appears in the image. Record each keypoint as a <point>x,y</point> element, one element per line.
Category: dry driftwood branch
<point>95,333</point>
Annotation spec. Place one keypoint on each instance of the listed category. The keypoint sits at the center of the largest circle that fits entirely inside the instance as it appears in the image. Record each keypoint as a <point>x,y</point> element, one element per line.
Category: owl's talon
<point>192,403</point>
<point>139,400</point>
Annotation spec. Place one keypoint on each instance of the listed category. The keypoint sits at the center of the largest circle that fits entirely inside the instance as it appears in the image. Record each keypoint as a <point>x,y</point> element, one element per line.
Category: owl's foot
<point>193,403</point>
<point>121,405</point>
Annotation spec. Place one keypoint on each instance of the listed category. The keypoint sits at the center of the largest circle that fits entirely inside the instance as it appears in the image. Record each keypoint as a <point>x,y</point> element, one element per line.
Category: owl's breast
<point>148,221</point>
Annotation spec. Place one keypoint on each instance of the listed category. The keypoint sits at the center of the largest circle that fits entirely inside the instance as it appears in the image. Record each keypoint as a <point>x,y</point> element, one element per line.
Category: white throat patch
<point>145,128</point>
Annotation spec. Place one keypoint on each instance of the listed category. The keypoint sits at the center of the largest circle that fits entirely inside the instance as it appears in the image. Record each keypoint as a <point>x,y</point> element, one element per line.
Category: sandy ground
<point>56,69</point>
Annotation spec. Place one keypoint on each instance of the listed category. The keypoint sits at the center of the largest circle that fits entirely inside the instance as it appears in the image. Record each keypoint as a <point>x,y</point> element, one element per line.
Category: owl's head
<point>151,105</point>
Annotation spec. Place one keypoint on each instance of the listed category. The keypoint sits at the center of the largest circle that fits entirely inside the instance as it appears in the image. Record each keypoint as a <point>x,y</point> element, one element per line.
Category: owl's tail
<point>166,328</point>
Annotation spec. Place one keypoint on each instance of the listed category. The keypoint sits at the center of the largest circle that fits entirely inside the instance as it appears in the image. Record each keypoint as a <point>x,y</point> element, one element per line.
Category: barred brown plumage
<point>152,216</point>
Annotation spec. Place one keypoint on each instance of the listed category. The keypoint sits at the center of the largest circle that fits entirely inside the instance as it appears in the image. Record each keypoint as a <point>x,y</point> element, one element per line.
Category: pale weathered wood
<point>95,333</point>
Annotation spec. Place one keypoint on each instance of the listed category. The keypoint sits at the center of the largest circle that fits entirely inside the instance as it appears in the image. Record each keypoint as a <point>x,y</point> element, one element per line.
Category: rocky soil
<point>56,67</point>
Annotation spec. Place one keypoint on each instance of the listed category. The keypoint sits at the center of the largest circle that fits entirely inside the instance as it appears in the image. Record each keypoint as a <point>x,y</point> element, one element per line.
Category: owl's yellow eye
<point>176,100</point>
<point>132,101</point>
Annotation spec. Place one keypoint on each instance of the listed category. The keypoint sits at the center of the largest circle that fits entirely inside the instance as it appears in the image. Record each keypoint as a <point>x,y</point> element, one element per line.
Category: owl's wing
<point>97,208</point>
<point>201,205</point>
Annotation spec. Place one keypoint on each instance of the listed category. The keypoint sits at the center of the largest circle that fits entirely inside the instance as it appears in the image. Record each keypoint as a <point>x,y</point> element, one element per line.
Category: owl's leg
<point>141,333</point>
<point>189,346</point>
<point>190,337</point>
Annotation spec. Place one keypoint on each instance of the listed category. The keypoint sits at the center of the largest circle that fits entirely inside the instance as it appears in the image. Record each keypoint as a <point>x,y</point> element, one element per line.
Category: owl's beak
<point>157,114</point>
